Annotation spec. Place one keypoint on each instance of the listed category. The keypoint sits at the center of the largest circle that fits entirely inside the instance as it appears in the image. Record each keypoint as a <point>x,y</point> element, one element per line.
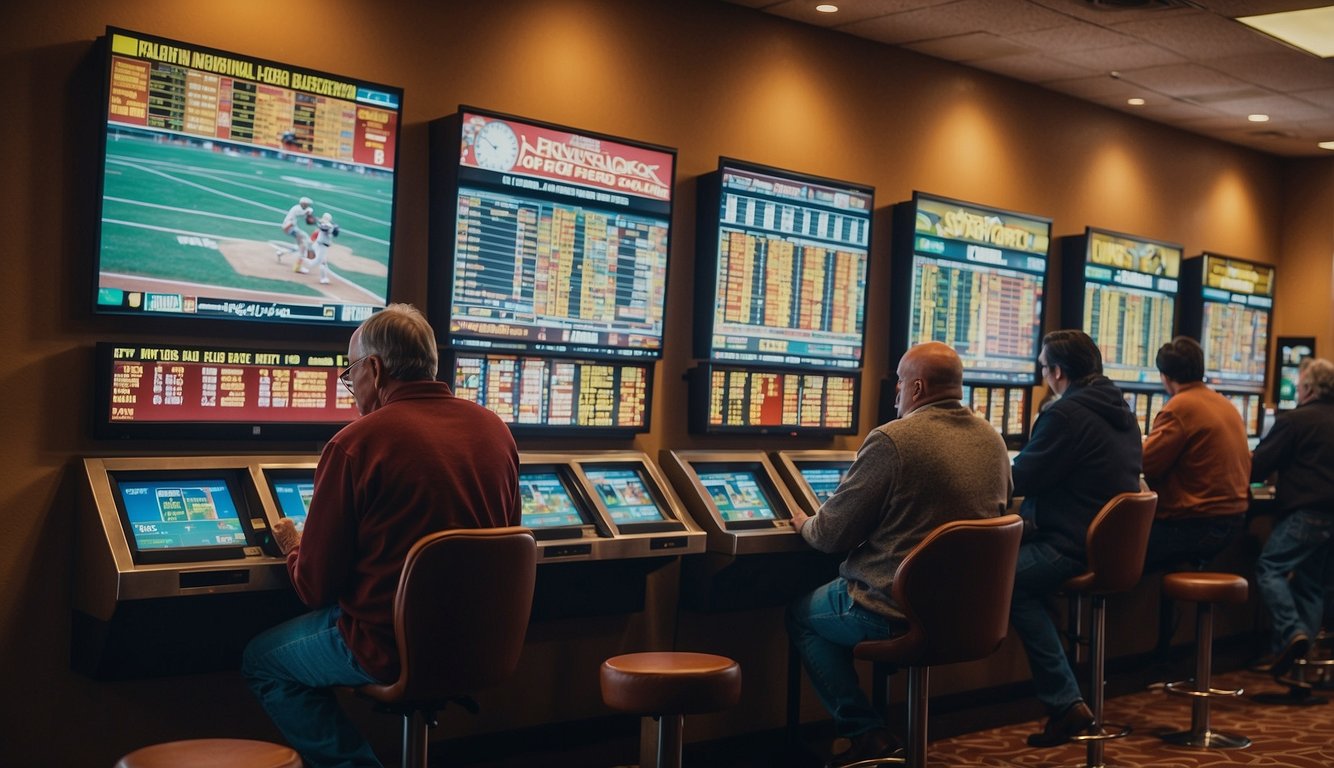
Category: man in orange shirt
<point>1197,460</point>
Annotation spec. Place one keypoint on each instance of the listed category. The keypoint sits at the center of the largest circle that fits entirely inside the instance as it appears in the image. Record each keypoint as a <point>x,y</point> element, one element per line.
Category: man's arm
<point>320,564</point>
<point>1045,460</point>
<point>1273,451</point>
<point>1163,446</point>
<point>852,513</point>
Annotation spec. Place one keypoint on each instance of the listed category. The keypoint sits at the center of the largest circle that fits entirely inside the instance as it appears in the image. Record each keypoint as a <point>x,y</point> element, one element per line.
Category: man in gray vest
<point>936,463</point>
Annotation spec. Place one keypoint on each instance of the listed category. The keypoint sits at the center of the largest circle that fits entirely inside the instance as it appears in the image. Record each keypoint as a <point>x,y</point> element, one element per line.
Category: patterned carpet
<point>1290,736</point>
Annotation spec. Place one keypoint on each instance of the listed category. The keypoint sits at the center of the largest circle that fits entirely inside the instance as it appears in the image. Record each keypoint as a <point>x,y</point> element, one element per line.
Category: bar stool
<point>1115,546</point>
<point>667,686</point>
<point>212,753</point>
<point>1204,589</point>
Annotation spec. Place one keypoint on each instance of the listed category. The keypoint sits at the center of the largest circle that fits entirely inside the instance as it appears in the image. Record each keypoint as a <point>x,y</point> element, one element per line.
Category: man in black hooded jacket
<point>1085,449</point>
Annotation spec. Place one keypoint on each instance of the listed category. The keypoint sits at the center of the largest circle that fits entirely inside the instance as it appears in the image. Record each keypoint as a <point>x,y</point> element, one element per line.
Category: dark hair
<point>1181,360</point>
<point>1074,353</point>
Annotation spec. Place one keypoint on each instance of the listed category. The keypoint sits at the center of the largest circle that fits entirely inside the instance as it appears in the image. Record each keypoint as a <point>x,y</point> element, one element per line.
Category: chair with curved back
<point>460,616</point>
<point>954,588</point>
<point>1115,546</point>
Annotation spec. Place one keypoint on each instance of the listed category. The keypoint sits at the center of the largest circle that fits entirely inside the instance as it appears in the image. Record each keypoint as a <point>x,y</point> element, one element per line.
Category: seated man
<point>417,461</point>
<point>938,462</point>
<point>1290,572</point>
<point>1085,449</point>
<point>1197,460</point>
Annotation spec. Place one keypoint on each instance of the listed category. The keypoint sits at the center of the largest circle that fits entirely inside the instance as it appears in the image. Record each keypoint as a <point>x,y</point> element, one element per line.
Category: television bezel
<point>294,328</point>
<point>1191,318</point>
<point>446,136</point>
<point>667,520</point>
<point>707,231</point>
<point>592,526</point>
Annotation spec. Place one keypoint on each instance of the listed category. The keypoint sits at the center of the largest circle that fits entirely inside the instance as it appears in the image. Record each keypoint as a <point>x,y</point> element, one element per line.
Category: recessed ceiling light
<point>1135,102</point>
<point>1258,118</point>
<point>1311,30</point>
<point>827,8</point>
<point>1326,145</point>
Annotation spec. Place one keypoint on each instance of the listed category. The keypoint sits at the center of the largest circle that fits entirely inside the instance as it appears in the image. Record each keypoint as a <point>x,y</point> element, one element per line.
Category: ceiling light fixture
<point>1311,30</point>
<point>827,8</point>
<point>1258,118</point>
<point>1135,102</point>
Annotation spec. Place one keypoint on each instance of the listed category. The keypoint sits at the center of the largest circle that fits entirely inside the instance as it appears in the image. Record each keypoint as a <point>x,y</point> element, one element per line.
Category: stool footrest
<point>1314,663</point>
<point>875,761</point>
<point>1106,732</point>
<point>1207,740</point>
<point>1182,688</point>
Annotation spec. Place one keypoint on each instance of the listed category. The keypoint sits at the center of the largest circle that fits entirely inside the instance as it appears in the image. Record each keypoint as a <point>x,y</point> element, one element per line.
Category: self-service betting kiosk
<point>176,568</point>
<point>813,476</point>
<point>755,557</point>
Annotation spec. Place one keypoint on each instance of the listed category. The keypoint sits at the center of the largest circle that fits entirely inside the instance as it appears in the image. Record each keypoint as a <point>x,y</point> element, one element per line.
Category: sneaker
<point>1071,721</point>
<point>1296,649</point>
<point>871,745</point>
<point>324,281</point>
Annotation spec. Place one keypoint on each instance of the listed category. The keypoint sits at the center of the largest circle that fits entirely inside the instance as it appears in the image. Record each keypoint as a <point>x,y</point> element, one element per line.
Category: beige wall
<point>708,78</point>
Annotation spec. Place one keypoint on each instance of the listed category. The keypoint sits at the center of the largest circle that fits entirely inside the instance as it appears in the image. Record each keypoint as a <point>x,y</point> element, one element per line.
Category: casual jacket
<point>1085,449</point>
<point>1196,456</point>
<point>1301,448</point>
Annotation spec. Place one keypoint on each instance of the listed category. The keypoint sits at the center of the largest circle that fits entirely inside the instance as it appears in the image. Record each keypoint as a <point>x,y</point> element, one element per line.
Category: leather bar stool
<point>1204,589</point>
<point>1115,546</point>
<point>667,686</point>
<point>212,753</point>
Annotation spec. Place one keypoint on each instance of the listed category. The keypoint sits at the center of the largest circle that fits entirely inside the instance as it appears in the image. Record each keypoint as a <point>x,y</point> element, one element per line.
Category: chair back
<point>461,613</point>
<point>954,588</point>
<point>1116,543</point>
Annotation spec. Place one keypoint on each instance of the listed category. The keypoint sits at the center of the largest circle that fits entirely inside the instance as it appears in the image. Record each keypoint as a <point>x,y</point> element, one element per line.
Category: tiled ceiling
<point>1196,68</point>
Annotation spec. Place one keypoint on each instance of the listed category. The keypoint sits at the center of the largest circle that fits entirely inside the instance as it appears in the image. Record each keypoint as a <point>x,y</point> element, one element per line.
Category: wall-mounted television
<point>972,277</point>
<point>241,188</point>
<point>1292,350</point>
<point>781,267</point>
<point>756,401</point>
<point>1122,291</point>
<point>1227,304</point>
<point>168,391</point>
<point>554,395</point>
<point>546,239</point>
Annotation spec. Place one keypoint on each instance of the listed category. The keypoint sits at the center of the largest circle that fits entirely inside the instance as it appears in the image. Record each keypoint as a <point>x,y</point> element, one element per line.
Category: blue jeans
<point>824,625</point>
<point>1192,540</point>
<point>292,669</point>
<point>1040,573</point>
<point>1298,545</point>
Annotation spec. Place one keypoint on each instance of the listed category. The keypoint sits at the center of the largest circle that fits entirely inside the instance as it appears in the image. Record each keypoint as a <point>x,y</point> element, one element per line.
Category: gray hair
<point>405,343</point>
<point>1319,376</point>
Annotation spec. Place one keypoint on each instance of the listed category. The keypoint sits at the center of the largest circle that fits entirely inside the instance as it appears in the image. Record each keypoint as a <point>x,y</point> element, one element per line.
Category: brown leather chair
<point>1115,546</point>
<point>1204,589</point>
<point>460,616</point>
<point>212,753</point>
<point>667,686</point>
<point>954,588</point>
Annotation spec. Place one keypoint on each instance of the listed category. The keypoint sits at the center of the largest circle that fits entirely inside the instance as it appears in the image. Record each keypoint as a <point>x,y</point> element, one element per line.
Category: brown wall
<point>709,78</point>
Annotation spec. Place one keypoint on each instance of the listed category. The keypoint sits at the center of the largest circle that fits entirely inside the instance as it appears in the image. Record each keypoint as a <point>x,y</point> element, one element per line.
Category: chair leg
<point>670,729</point>
<point>919,679</point>
<point>1097,693</point>
<point>415,727</point>
<point>1201,733</point>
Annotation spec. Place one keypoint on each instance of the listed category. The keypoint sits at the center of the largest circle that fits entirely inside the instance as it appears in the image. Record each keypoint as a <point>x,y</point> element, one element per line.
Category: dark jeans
<point>1299,545</point>
<point>1191,540</point>
<point>1040,573</point>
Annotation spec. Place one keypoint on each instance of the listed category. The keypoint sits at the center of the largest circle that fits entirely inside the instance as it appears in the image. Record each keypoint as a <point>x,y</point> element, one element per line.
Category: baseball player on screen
<point>321,239</point>
<point>302,212</point>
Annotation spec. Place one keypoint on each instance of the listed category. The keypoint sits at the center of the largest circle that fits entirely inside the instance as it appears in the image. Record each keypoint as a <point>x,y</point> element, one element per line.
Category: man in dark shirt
<point>1300,447</point>
<point>1085,449</point>
<point>417,461</point>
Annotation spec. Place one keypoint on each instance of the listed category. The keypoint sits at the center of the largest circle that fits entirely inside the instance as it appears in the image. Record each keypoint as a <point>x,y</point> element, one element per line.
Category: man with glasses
<point>1085,449</point>
<point>417,461</point>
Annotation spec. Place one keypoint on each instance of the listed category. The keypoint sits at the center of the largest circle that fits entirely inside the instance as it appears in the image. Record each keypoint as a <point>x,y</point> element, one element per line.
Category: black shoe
<point>1071,721</point>
<point>1264,664</point>
<point>1296,649</point>
<point>871,745</point>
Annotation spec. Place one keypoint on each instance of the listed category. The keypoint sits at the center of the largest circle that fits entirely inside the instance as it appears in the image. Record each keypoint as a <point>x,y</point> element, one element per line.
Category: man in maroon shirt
<point>418,460</point>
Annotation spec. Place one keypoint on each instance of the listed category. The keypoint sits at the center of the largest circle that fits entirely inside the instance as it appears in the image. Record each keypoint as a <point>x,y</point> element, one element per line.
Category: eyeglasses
<point>345,375</point>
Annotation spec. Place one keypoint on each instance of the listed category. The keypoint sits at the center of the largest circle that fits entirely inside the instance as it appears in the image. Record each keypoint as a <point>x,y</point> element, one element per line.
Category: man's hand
<point>799,518</point>
<point>285,535</point>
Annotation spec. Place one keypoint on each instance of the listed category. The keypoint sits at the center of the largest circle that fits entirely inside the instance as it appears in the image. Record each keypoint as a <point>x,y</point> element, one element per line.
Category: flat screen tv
<point>739,492</point>
<point>538,395</point>
<point>724,399</point>
<point>170,391</point>
<point>237,187</point>
<point>546,239</point>
<point>1227,304</point>
<point>1292,350</point>
<point>181,516</point>
<point>974,278</point>
<point>628,494</point>
<point>781,267</point>
<point>1122,291</point>
<point>549,503</point>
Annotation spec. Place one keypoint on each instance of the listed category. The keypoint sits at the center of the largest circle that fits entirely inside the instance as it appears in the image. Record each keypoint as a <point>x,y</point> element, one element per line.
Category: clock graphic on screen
<point>496,147</point>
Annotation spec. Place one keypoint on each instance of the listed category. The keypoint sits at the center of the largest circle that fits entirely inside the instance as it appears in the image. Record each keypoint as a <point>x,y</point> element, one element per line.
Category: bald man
<point>936,463</point>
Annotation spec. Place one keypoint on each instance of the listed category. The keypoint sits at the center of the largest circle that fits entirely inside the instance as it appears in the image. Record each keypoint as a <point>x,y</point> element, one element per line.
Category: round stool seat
<point>669,683</point>
<point>1205,587</point>
<point>212,753</point>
